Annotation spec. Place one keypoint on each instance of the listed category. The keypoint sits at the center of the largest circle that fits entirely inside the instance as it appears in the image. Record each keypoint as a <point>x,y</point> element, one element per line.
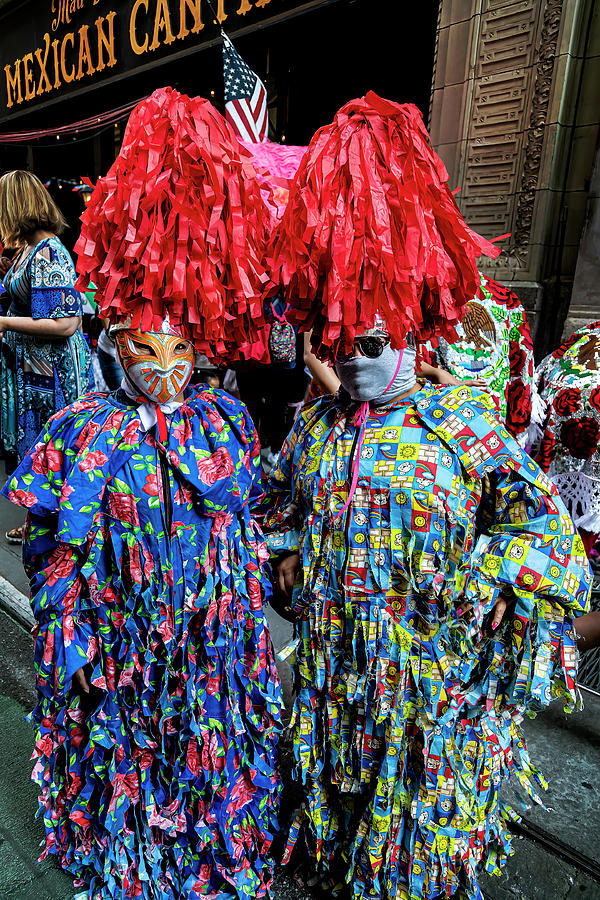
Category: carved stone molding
<point>535,133</point>
<point>497,149</point>
<point>500,103</point>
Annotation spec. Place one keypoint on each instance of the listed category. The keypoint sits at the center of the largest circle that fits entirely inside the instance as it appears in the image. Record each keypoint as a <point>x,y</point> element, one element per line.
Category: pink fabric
<point>276,165</point>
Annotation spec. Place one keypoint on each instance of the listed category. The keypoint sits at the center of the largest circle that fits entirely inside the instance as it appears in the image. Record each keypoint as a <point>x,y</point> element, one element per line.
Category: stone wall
<point>514,115</point>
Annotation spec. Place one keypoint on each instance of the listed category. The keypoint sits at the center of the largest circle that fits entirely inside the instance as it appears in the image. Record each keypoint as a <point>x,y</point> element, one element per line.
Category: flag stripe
<point>263,122</point>
<point>246,107</point>
<point>243,111</point>
<point>239,122</point>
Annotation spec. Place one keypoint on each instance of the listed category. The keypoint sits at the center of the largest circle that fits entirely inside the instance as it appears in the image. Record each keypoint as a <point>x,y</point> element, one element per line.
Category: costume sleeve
<point>60,484</point>
<point>529,552</point>
<point>526,549</point>
<point>52,282</point>
<point>283,519</point>
<point>65,641</point>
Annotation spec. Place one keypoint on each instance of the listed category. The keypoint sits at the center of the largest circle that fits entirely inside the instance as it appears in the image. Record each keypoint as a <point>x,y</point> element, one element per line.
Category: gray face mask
<point>369,379</point>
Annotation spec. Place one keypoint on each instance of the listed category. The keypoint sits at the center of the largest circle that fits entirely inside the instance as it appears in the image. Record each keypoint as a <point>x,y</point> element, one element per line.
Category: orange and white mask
<point>158,365</point>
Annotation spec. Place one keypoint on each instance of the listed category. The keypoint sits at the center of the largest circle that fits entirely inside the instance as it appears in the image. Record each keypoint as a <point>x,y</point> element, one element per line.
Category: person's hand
<point>500,608</point>
<point>480,383</point>
<point>286,573</point>
<point>81,682</point>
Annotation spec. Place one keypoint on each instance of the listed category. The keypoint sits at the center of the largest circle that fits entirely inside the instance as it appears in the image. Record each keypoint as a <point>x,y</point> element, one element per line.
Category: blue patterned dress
<point>146,567</point>
<point>407,711</point>
<point>39,376</point>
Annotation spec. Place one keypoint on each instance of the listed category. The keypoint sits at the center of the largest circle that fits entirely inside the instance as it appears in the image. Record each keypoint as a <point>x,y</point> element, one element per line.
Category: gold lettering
<point>194,8</point>
<point>244,8</point>
<point>221,14</point>
<point>104,42</point>
<point>57,81</point>
<point>67,76</point>
<point>137,48</point>
<point>44,87</point>
<point>162,20</point>
<point>85,55</point>
<point>28,76</point>
<point>62,14</point>
<point>13,82</point>
<point>261,3</point>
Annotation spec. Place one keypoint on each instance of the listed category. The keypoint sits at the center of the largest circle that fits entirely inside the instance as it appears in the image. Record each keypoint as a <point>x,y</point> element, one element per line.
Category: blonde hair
<point>26,207</point>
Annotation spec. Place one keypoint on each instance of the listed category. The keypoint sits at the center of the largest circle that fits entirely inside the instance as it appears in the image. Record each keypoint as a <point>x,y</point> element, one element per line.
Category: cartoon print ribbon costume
<point>412,520</point>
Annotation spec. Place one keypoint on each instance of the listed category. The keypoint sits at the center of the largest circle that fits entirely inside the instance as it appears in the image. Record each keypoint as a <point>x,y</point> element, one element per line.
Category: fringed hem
<point>581,495</point>
<point>403,757</point>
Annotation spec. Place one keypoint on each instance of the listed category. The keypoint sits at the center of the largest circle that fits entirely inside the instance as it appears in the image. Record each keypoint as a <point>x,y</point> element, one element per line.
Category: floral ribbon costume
<point>566,446</point>
<point>146,566</point>
<point>406,719</point>
<point>494,343</point>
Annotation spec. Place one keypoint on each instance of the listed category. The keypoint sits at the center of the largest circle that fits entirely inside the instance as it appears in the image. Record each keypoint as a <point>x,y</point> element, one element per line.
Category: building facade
<point>510,88</point>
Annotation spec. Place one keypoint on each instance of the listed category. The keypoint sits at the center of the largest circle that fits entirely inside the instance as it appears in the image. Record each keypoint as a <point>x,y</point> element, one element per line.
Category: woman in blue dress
<point>45,362</point>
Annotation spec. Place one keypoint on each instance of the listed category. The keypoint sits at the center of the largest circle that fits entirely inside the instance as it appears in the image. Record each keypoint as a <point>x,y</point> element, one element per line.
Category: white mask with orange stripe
<point>157,365</point>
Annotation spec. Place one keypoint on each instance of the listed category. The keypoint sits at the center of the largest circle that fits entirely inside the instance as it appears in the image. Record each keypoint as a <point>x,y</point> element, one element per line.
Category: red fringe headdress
<point>178,227</point>
<point>372,227</point>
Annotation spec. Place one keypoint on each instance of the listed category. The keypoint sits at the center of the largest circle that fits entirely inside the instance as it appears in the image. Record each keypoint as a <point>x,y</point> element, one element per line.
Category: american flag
<point>245,97</point>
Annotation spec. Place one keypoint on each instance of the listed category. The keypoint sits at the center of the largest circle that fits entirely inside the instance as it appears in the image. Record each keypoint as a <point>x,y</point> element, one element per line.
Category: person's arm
<point>587,628</point>
<point>324,375</point>
<point>530,556</point>
<point>440,376</point>
<point>55,304</point>
<point>282,523</point>
<point>53,328</point>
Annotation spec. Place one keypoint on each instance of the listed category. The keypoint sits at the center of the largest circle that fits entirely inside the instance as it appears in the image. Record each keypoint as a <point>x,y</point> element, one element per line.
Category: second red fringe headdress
<point>178,226</point>
<point>371,227</point>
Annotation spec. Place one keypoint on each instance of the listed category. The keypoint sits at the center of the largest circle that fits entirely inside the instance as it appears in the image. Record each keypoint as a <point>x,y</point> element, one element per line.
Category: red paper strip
<point>178,226</point>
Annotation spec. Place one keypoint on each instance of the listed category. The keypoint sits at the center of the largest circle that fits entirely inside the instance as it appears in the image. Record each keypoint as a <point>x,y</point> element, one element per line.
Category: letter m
<point>13,84</point>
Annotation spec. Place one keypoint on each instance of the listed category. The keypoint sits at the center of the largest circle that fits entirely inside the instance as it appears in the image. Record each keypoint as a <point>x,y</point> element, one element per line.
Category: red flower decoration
<point>60,566</point>
<point>151,487</point>
<point>516,358</point>
<point>567,402</point>
<point>46,458</point>
<point>92,460</point>
<point>123,507</point>
<point>580,436</point>
<point>22,498</point>
<point>219,465</point>
<point>595,397</point>
<point>518,406</point>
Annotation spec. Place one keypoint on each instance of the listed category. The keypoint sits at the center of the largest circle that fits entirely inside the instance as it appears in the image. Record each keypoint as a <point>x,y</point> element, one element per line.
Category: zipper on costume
<point>166,485</point>
<point>349,510</point>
